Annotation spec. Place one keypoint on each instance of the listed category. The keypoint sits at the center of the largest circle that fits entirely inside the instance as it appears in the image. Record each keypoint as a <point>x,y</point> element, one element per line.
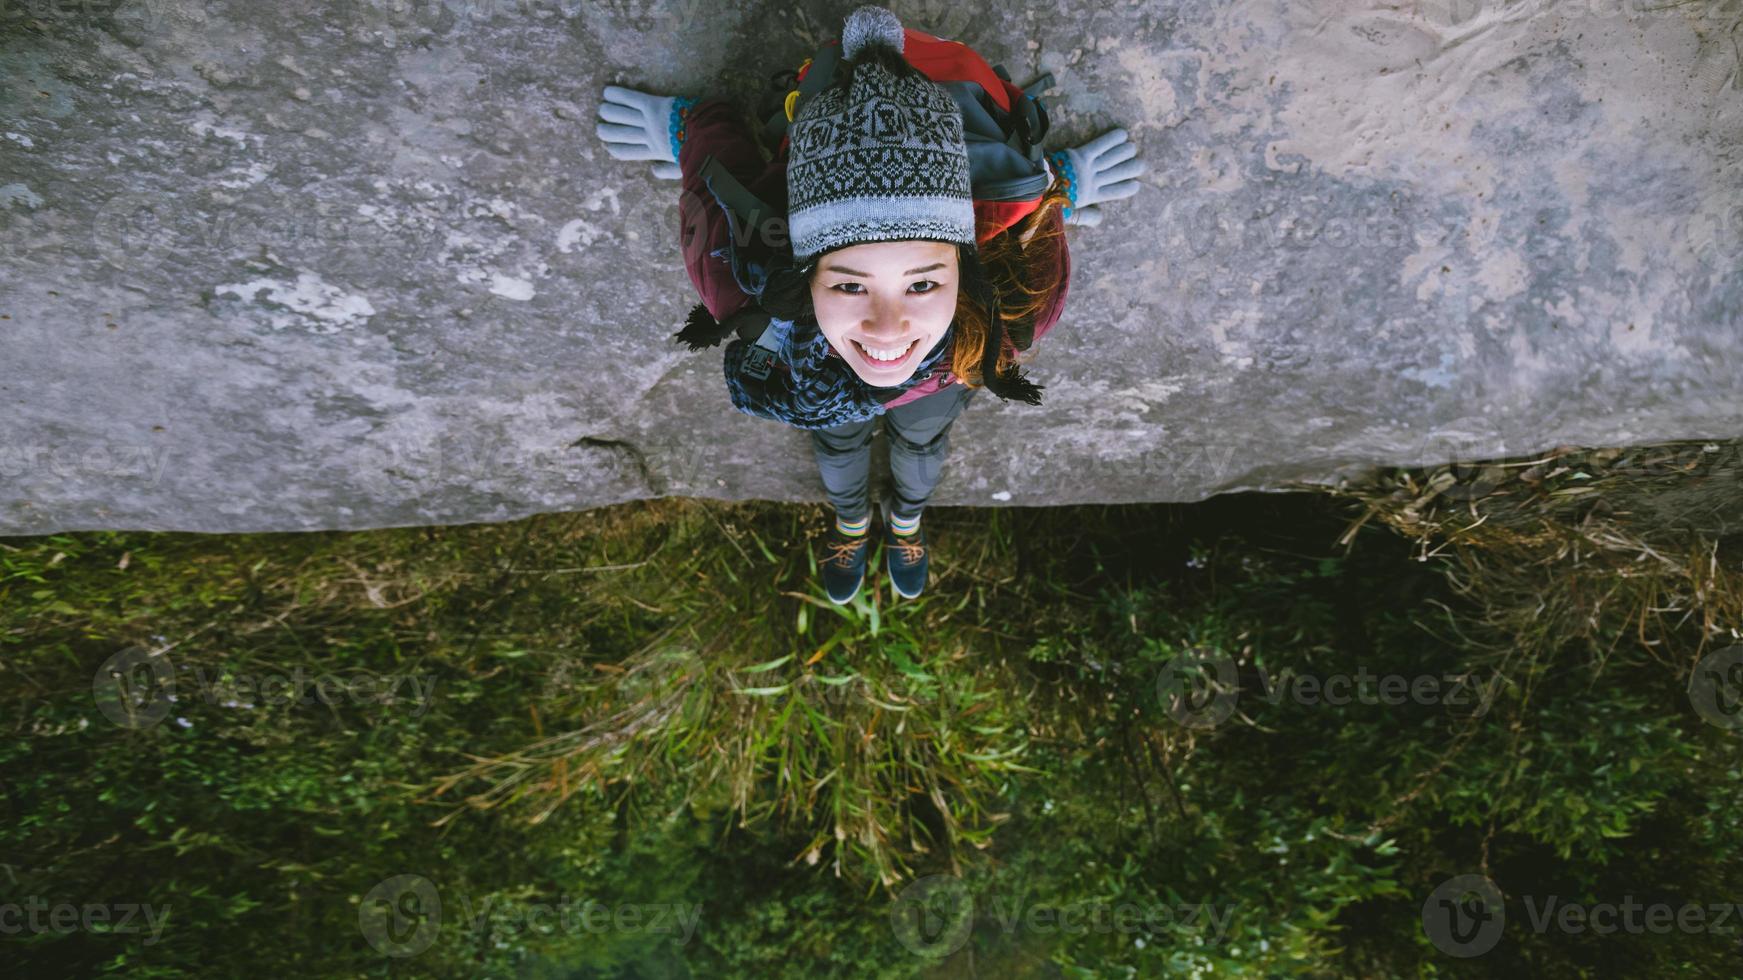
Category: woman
<point>894,297</point>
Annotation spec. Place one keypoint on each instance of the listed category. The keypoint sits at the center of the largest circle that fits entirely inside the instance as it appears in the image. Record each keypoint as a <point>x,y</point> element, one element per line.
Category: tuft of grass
<point>872,727</point>
<point>1619,551</point>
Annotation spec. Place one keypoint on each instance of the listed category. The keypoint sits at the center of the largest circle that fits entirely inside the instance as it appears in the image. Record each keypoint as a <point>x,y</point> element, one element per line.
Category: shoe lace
<point>910,551</point>
<point>842,552</point>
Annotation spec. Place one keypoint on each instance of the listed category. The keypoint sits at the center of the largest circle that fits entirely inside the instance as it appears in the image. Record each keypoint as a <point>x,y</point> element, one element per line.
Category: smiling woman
<point>925,252</point>
<point>883,303</point>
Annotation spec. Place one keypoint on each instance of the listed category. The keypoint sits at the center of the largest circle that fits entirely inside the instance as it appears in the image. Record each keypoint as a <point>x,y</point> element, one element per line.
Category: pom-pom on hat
<point>871,24</point>
<point>882,160</point>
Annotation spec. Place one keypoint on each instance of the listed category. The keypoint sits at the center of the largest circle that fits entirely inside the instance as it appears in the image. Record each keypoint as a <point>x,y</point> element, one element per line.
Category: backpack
<point>1003,127</point>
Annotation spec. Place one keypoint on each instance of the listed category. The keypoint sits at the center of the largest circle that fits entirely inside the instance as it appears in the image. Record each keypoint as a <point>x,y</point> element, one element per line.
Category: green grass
<point>653,704</point>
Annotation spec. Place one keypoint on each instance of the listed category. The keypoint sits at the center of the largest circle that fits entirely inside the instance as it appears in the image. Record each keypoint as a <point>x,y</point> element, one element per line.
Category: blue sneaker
<point>843,564</point>
<point>905,559</point>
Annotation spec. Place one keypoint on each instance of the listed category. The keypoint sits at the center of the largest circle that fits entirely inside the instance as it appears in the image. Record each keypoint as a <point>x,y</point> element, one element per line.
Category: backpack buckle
<point>758,363</point>
<point>1031,122</point>
<point>760,359</point>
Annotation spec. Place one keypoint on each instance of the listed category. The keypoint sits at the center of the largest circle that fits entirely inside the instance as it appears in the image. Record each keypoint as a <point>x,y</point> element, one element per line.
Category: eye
<point>858,289</point>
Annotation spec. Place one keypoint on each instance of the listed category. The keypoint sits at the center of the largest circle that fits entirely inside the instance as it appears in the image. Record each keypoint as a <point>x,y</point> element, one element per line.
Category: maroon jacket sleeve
<point>714,128</point>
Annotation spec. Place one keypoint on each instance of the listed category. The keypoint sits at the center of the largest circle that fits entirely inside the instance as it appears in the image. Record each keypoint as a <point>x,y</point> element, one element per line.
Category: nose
<point>888,321</point>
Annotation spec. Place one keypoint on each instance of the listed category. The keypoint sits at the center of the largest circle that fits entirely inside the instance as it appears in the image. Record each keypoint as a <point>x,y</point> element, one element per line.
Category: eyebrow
<point>911,272</point>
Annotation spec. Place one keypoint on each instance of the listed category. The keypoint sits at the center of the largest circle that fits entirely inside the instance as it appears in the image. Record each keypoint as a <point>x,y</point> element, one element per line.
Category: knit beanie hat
<point>882,161</point>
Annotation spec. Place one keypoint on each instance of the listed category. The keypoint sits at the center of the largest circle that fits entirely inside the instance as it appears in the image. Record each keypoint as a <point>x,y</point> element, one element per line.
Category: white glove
<point>638,126</point>
<point>1101,170</point>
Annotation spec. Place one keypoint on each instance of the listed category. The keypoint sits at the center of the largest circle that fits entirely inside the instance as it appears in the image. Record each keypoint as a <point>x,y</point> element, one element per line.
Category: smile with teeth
<point>878,355</point>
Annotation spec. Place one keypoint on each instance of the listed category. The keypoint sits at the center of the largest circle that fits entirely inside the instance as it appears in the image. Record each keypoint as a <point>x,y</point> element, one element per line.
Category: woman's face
<point>883,305</point>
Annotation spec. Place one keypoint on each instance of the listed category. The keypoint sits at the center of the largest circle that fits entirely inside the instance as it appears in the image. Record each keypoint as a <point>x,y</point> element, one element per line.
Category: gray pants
<point>919,435</point>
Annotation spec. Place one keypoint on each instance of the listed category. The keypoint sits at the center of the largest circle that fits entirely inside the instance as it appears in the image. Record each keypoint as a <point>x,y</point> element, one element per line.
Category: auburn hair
<point>1019,266</point>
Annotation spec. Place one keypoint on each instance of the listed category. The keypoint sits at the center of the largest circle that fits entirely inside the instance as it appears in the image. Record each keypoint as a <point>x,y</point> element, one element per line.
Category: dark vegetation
<point>1105,743</point>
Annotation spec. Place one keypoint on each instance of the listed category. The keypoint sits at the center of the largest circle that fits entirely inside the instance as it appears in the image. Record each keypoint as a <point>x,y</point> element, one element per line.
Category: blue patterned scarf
<point>809,389</point>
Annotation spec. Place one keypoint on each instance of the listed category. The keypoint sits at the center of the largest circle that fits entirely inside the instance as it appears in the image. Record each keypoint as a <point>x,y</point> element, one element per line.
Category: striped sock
<point>853,529</point>
<point>904,525</point>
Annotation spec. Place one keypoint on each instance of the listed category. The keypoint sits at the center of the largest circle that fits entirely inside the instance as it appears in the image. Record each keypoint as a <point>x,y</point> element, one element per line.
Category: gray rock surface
<point>343,265</point>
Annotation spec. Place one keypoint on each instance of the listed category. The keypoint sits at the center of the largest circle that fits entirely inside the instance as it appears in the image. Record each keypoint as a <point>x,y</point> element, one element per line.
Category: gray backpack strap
<point>745,210</point>
<point>748,220</point>
<point>1029,121</point>
<point>818,75</point>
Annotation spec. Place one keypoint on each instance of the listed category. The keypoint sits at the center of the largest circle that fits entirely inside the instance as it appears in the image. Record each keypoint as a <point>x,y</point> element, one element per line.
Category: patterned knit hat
<point>882,161</point>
